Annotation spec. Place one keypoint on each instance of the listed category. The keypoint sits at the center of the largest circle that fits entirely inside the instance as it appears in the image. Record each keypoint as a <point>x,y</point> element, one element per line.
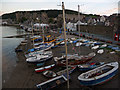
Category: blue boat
<point>87,45</point>
<point>39,39</point>
<point>109,46</point>
<point>86,67</point>
<point>31,50</point>
<point>75,41</point>
<point>99,75</point>
<point>86,41</point>
<point>54,46</point>
<point>97,43</point>
<point>115,48</point>
<point>46,47</point>
<point>18,50</point>
<point>40,64</point>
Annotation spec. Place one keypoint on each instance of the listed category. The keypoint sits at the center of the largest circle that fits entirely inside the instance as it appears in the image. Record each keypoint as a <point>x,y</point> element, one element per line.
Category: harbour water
<point>9,58</point>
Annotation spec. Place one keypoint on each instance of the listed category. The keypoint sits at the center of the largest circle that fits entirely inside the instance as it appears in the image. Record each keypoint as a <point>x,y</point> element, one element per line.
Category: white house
<point>102,19</point>
<point>71,26</point>
<point>40,25</point>
<point>80,23</point>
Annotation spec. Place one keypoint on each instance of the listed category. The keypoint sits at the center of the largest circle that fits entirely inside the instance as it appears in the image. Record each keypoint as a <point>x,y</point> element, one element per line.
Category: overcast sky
<point>102,7</point>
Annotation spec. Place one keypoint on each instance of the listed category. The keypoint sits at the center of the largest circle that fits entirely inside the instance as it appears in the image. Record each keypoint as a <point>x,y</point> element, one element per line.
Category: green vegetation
<point>50,20</point>
<point>50,13</point>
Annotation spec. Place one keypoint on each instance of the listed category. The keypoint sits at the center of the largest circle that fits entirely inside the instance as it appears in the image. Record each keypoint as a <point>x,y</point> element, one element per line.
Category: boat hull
<point>98,81</point>
<point>40,61</point>
<point>43,70</point>
<point>83,61</point>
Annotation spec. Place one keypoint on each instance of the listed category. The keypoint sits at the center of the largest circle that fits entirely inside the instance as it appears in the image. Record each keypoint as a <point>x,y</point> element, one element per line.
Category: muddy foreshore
<point>24,75</point>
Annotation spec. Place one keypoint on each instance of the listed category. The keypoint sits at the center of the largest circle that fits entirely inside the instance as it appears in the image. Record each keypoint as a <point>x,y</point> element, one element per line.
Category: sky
<point>100,7</point>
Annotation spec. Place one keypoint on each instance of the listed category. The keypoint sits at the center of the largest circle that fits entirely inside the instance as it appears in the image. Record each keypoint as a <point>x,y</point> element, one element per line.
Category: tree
<point>51,20</point>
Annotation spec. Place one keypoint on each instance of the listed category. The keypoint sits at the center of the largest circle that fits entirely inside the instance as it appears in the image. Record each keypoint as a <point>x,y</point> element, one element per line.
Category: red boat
<point>44,68</point>
<point>74,59</point>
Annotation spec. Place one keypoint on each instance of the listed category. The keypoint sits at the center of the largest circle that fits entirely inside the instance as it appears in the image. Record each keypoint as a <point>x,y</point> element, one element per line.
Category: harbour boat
<point>58,43</point>
<point>49,74</point>
<point>37,39</point>
<point>109,47</point>
<point>95,47</point>
<point>100,51</point>
<point>62,43</point>
<point>35,36</point>
<point>84,44</point>
<point>97,43</point>
<point>18,50</point>
<point>78,44</point>
<point>70,41</point>
<point>70,70</point>
<point>23,42</point>
<point>40,46</point>
<point>44,68</point>
<point>52,83</point>
<point>32,54</point>
<point>40,64</point>
<point>115,48</point>
<point>103,46</point>
<point>99,75</point>
<point>109,42</point>
<point>118,50</point>
<point>39,58</point>
<point>74,59</point>
<point>50,41</point>
<point>87,45</point>
<point>89,66</point>
<point>112,52</point>
<point>47,47</point>
<point>75,41</point>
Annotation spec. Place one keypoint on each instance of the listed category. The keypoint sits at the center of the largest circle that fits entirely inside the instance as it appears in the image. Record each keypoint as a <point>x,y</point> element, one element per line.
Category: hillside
<point>50,13</point>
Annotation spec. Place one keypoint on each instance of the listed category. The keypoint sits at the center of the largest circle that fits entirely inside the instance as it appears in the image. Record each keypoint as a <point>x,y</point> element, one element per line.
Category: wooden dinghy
<point>100,51</point>
<point>70,69</point>
<point>99,75</point>
<point>103,46</point>
<point>52,83</point>
<point>44,68</point>
<point>95,47</point>
<point>74,59</point>
<point>49,74</point>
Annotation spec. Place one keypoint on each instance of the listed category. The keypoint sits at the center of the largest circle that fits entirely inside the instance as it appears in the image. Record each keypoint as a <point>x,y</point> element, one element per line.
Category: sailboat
<point>37,57</point>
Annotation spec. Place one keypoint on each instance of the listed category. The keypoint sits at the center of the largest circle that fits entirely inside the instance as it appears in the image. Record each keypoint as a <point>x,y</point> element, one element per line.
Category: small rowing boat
<point>99,75</point>
<point>44,68</point>
<point>95,47</point>
<point>70,70</point>
<point>49,74</point>
<point>100,51</point>
<point>52,83</point>
<point>40,64</point>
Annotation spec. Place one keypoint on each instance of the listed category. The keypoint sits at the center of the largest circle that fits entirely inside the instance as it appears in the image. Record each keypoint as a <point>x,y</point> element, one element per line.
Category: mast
<point>33,35</point>
<point>79,23</point>
<point>63,8</point>
<point>43,33</point>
